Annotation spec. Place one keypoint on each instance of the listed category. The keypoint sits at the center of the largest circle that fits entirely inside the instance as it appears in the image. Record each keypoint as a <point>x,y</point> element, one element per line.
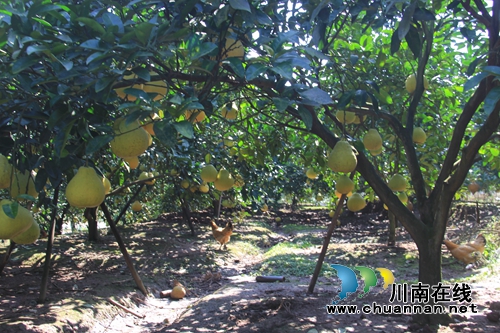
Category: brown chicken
<point>222,235</point>
<point>467,253</point>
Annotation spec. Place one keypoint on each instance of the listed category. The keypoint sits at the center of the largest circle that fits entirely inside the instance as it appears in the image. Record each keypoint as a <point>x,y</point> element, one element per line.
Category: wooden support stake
<point>326,242</point>
<point>6,257</point>
<point>123,249</point>
<point>115,303</point>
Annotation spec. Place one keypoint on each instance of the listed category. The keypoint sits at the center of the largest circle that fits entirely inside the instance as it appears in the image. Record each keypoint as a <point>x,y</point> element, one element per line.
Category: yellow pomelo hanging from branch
<point>397,183</point>
<point>85,189</point>
<point>345,117</point>
<point>12,227</point>
<point>230,111</point>
<point>419,135</point>
<point>157,87</point>
<point>342,158</point>
<point>311,174</point>
<point>356,202</point>
<point>372,140</point>
<point>136,206</point>
<point>224,180</point>
<point>22,183</point>
<point>130,139</point>
<point>195,116</point>
<point>208,173</point>
<point>29,236</point>
<point>411,83</point>
<point>344,185</point>
<point>133,162</point>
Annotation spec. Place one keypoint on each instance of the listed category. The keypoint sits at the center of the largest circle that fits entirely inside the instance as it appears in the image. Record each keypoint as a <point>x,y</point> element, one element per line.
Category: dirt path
<point>223,293</point>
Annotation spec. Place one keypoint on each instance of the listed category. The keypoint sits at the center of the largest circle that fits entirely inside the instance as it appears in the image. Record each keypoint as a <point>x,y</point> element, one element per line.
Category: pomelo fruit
<point>345,117</point>
<point>133,162</point>
<point>342,158</point>
<point>224,180</point>
<point>356,202</point>
<point>419,135</point>
<point>208,173</point>
<point>344,185</point>
<point>130,139</point>
<point>29,236</point>
<point>397,183</point>
<point>22,183</point>
<point>411,83</point>
<point>85,189</point>
<point>372,140</point>
<point>311,174</point>
<point>230,112</point>
<point>12,227</point>
<point>473,187</point>
<point>178,292</point>
<point>195,116</point>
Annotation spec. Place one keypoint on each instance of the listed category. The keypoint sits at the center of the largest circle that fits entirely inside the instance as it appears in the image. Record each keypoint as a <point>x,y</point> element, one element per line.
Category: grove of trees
<point>69,69</point>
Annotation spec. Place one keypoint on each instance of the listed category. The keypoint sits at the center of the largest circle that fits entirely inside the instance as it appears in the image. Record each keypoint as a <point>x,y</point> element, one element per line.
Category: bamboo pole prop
<point>123,249</point>
<point>115,303</point>
<point>6,257</point>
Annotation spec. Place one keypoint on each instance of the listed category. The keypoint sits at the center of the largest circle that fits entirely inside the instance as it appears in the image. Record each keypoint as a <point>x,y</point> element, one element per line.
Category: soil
<point>91,289</point>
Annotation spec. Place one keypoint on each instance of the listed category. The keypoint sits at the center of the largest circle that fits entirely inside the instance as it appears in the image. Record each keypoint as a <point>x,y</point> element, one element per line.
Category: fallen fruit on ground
<point>178,292</point>
<point>12,227</point>
<point>356,202</point>
<point>131,140</point>
<point>208,173</point>
<point>372,140</point>
<point>397,183</point>
<point>278,219</point>
<point>85,189</point>
<point>29,236</point>
<point>419,135</point>
<point>342,158</point>
<point>264,208</point>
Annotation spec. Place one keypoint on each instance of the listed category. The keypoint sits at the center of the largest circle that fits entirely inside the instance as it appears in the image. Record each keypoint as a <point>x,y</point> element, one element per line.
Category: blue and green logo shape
<point>350,283</point>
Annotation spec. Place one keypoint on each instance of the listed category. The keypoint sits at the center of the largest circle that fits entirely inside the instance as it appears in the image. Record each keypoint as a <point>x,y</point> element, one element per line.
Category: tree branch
<point>475,14</point>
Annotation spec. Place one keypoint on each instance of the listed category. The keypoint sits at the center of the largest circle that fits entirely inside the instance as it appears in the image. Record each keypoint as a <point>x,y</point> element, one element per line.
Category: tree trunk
<point>91,215</point>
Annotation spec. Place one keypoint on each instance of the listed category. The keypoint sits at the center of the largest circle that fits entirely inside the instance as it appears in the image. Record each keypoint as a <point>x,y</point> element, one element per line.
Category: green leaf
<point>395,42</point>
<point>240,5</point>
<point>495,70</point>
<point>284,69</point>
<point>404,25</point>
<point>103,83</point>
<point>472,66</point>
<point>11,209</point>
<point>96,143</point>
<point>94,44</point>
<point>306,116</point>
<point>422,14</point>
<point>166,133</point>
<point>254,70</point>
<point>491,100</point>
<point>353,58</point>
<point>236,65</point>
<point>92,24</point>
<point>185,128</point>
<point>23,63</point>
<point>475,80</point>
<point>281,103</point>
<point>317,95</point>
<point>203,50</point>
<point>414,42</point>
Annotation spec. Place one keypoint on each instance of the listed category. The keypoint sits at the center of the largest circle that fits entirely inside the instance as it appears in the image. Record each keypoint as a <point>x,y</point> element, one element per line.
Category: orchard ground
<point>223,294</point>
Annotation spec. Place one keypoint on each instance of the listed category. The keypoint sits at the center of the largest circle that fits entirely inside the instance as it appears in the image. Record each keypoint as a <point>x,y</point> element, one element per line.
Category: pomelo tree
<point>68,71</point>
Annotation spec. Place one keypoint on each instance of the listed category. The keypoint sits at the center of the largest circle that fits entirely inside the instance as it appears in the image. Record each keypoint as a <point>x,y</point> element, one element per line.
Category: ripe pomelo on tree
<point>195,116</point>
<point>121,91</point>
<point>473,187</point>
<point>12,227</point>
<point>342,158</point>
<point>403,197</point>
<point>345,117</point>
<point>358,119</point>
<point>107,185</point>
<point>136,206</point>
<point>85,189</point>
<point>131,140</point>
<point>419,135</point>
<point>146,175</point>
<point>376,152</point>
<point>230,111</point>
<point>204,188</point>
<point>133,162</point>
<point>5,172</point>
<point>411,83</point>
<point>208,173</point>
<point>356,202</point>
<point>344,185</point>
<point>397,183</point>
<point>29,236</point>
<point>22,183</point>
<point>311,174</point>
<point>338,194</point>
<point>372,140</point>
<point>233,48</point>
<point>157,87</point>
<point>148,124</point>
<point>185,183</point>
<point>224,180</point>
<point>331,213</point>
